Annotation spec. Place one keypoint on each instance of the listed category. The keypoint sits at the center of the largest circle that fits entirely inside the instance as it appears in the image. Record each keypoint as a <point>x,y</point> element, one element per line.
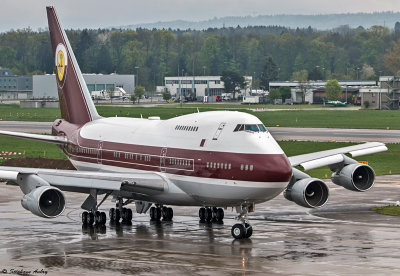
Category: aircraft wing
<point>329,157</point>
<point>83,181</point>
<point>44,138</point>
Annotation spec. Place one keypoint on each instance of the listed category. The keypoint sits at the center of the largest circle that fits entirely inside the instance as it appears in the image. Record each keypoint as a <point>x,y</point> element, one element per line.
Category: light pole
<point>204,70</point>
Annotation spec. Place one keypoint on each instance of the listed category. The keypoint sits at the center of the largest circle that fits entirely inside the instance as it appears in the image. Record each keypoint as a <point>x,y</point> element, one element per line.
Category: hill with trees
<point>344,53</point>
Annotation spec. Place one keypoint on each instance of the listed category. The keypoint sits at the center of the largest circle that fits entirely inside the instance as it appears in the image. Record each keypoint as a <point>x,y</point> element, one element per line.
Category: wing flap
<point>91,180</point>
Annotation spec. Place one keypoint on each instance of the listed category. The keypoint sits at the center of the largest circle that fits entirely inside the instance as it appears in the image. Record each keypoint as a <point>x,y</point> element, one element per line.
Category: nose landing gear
<point>243,229</point>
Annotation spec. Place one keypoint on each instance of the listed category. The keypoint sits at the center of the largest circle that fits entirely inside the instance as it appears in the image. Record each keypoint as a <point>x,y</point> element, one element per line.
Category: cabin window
<point>229,166</point>
<point>208,163</point>
<point>251,167</point>
<point>226,166</point>
<point>241,167</point>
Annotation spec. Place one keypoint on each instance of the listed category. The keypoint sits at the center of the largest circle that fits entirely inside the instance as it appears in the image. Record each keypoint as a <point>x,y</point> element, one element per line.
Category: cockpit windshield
<point>250,128</point>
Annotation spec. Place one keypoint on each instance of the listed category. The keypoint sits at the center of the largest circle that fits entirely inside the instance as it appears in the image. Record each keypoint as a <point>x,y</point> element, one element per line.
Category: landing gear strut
<point>244,229</point>
<point>207,214</point>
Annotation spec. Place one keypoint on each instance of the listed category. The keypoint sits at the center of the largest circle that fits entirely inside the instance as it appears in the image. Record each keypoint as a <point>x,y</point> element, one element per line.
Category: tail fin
<point>76,104</point>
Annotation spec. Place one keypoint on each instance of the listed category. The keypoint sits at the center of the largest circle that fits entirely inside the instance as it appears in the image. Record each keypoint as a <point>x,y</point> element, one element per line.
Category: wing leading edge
<point>329,157</point>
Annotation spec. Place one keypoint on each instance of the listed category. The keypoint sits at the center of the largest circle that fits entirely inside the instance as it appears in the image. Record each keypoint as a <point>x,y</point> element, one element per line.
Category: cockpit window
<point>251,128</point>
<point>262,128</point>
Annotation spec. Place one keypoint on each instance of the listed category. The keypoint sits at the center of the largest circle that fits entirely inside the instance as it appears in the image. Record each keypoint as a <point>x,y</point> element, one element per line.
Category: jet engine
<point>355,177</point>
<point>44,201</point>
<point>308,192</point>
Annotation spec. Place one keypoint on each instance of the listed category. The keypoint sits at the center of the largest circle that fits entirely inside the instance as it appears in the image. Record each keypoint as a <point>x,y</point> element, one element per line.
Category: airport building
<point>45,86</point>
<point>14,87</point>
<point>384,96</point>
<point>316,89</point>
<point>196,87</point>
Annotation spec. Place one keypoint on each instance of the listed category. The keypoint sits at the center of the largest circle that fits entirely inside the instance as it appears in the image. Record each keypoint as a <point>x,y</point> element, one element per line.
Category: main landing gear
<point>121,212</point>
<point>243,229</point>
<point>96,217</point>
<point>158,212</point>
<point>93,215</point>
<point>214,214</point>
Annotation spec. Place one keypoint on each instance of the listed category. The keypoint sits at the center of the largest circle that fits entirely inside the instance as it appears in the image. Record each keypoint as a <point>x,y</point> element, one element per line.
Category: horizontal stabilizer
<point>39,137</point>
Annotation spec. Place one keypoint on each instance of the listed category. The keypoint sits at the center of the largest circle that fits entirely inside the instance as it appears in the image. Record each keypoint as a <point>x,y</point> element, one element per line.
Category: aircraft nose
<point>277,168</point>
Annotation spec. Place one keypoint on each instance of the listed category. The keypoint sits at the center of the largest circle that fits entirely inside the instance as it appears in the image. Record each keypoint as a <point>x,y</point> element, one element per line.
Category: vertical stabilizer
<point>76,104</point>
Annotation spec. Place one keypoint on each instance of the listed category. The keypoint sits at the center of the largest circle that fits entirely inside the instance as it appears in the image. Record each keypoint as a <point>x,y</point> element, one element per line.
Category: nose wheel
<point>242,230</point>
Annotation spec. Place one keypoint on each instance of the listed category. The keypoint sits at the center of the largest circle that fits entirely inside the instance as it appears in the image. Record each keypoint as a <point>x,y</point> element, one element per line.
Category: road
<point>280,133</point>
<point>342,238</point>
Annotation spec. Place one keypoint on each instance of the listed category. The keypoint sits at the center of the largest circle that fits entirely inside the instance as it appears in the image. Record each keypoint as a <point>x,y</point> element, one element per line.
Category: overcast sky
<point>16,14</point>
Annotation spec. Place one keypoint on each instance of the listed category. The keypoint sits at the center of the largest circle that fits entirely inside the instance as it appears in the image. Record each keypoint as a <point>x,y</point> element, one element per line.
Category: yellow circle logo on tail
<point>61,61</point>
<point>60,65</point>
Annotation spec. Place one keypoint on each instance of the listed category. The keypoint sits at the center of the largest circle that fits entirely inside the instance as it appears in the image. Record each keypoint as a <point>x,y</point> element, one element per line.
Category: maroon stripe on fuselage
<point>209,164</point>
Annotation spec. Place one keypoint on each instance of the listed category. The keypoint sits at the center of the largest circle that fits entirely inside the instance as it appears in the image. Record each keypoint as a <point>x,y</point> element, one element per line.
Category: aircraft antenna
<point>198,110</point>
<point>141,116</point>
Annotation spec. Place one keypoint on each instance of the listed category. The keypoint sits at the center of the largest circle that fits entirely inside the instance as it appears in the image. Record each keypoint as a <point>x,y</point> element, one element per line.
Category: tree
<point>367,72</point>
<point>166,95</point>
<point>139,92</point>
<point>315,74</point>
<point>304,86</point>
<point>392,58</point>
<point>274,94</point>
<point>286,92</point>
<point>270,73</point>
<point>133,98</point>
<point>232,81</point>
<point>333,90</point>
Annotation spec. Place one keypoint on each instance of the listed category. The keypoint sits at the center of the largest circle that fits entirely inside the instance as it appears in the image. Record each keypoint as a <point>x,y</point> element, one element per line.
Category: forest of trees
<point>342,53</point>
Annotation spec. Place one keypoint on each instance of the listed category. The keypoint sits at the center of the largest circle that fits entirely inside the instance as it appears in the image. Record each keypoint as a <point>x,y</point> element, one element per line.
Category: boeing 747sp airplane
<point>212,160</point>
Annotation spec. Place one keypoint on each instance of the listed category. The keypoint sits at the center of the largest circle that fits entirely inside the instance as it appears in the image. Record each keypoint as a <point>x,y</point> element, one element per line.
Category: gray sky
<point>17,14</point>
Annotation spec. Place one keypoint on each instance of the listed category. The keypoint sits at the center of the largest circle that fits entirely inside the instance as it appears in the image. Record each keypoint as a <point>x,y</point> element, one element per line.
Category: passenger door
<point>163,157</point>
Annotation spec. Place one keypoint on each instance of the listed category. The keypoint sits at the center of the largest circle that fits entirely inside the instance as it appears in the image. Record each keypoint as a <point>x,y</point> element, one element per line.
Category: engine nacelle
<point>355,177</point>
<point>44,201</point>
<point>308,192</point>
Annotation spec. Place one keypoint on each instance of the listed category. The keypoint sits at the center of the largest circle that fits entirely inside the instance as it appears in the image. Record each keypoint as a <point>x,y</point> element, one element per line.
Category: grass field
<point>378,119</point>
<point>248,106</point>
<point>388,210</point>
<point>383,163</point>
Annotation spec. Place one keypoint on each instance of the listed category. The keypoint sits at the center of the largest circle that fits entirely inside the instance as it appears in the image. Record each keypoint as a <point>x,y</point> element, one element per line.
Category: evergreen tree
<point>270,73</point>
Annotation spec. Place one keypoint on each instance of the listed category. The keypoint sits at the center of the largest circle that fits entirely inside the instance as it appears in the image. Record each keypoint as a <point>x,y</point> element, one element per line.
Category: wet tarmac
<point>342,238</point>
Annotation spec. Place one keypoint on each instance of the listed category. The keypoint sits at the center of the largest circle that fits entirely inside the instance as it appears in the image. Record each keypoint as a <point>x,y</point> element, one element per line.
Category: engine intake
<point>308,192</point>
<point>44,201</point>
<point>355,177</point>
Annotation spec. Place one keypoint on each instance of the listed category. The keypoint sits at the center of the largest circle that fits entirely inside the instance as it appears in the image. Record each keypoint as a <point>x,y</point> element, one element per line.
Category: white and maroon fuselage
<point>203,160</point>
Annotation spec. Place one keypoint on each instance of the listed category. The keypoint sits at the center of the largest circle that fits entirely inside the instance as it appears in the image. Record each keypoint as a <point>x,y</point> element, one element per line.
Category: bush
<point>366,104</point>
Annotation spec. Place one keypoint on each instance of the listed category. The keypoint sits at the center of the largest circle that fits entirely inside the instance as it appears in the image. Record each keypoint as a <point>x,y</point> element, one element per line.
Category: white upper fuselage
<point>203,155</point>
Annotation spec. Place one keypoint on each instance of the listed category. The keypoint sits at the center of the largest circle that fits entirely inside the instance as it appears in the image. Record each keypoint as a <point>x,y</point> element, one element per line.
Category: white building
<point>44,86</point>
<point>199,86</point>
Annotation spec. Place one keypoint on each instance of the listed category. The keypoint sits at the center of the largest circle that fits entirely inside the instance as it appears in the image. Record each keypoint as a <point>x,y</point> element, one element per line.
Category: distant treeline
<point>343,53</point>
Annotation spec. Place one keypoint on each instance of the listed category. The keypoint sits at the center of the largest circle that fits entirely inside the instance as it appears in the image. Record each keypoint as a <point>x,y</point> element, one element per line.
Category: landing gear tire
<point>126,215</point>
<point>219,215</point>
<point>112,214</point>
<point>90,219</point>
<point>202,214</point>
<point>208,215</point>
<point>84,217</point>
<point>167,213</point>
<point>155,214</point>
<point>249,230</point>
<point>238,231</point>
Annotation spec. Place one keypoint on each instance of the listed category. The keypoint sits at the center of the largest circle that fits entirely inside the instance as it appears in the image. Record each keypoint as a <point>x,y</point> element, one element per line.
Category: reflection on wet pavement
<point>344,237</point>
